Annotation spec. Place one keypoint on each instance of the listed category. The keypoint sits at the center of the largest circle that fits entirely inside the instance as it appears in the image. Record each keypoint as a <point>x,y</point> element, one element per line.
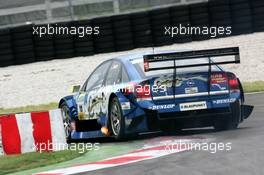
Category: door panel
<point>91,100</point>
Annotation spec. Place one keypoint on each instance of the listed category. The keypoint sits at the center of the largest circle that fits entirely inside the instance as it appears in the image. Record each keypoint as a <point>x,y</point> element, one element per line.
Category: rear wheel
<point>66,121</point>
<point>231,121</point>
<point>117,123</point>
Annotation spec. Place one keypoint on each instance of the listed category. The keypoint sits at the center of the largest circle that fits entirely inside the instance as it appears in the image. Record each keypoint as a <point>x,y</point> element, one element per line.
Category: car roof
<point>131,70</point>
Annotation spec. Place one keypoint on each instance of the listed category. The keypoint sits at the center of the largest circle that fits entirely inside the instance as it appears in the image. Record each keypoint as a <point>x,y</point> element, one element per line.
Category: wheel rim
<point>115,119</point>
<point>66,121</point>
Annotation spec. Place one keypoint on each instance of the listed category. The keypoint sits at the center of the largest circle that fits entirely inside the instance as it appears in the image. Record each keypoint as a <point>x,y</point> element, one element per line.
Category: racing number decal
<point>80,99</point>
<point>95,105</point>
<point>91,105</point>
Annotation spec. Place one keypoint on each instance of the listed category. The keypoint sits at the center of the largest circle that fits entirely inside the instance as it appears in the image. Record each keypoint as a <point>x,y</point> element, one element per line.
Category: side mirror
<point>75,88</point>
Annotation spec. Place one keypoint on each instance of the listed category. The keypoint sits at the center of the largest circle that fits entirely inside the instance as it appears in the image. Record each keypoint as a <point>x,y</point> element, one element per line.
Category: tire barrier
<point>220,14</point>
<point>128,31</point>
<point>104,42</point>
<point>160,18</point>
<point>23,46</point>
<point>241,17</point>
<point>84,46</point>
<point>141,29</point>
<point>44,46</point>
<point>199,16</point>
<point>31,132</point>
<point>180,15</point>
<point>6,52</point>
<point>63,43</point>
<point>257,7</point>
<point>122,30</point>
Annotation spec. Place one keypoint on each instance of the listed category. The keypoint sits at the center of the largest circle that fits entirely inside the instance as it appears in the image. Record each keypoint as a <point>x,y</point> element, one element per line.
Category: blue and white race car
<point>147,92</point>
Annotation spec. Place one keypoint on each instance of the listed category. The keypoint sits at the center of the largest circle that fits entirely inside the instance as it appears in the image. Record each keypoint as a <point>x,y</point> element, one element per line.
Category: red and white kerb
<point>30,132</point>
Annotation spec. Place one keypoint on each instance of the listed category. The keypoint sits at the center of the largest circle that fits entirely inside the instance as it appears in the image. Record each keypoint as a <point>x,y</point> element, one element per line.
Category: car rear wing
<point>192,55</point>
<point>232,52</point>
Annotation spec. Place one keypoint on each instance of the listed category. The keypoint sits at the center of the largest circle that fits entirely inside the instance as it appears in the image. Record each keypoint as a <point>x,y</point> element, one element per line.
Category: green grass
<point>17,163</point>
<point>256,86</point>
<point>30,108</point>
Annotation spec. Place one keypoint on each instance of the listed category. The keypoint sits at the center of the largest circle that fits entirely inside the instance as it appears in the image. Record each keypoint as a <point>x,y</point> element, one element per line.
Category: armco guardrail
<point>47,11</point>
<point>125,32</point>
<point>31,132</point>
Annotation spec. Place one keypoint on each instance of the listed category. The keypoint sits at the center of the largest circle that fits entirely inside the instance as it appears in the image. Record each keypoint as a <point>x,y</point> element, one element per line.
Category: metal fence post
<point>116,6</point>
<point>183,1</point>
<point>71,10</point>
<point>48,10</point>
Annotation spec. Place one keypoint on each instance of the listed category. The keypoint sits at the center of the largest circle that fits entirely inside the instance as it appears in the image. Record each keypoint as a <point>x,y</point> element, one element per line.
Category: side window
<point>97,77</point>
<point>125,77</point>
<point>114,75</point>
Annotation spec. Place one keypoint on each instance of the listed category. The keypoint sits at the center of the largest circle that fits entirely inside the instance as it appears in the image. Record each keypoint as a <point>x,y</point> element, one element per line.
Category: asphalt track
<point>245,157</point>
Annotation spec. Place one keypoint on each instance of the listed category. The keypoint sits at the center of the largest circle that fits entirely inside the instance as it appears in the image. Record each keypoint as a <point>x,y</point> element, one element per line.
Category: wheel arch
<point>69,100</point>
<point>111,96</point>
<point>241,91</point>
<point>61,102</point>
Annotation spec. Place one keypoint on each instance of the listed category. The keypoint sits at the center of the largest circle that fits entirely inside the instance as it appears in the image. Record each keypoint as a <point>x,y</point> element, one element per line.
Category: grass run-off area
<point>256,86</point>
<point>17,163</point>
<point>42,107</point>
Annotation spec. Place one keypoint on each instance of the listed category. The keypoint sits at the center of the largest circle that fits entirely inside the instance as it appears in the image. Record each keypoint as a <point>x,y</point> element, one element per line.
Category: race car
<point>164,91</point>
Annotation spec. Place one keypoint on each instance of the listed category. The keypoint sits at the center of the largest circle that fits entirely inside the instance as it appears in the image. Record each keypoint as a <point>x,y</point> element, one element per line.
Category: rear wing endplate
<point>189,55</point>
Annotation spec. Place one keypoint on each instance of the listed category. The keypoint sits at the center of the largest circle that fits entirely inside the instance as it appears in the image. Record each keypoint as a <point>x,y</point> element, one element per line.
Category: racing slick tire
<point>66,121</point>
<point>231,121</point>
<point>117,121</point>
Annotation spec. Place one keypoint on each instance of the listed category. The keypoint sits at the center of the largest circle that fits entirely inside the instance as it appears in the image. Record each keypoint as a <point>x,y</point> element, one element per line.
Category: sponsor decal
<point>168,106</point>
<point>81,116</point>
<point>222,101</point>
<point>193,106</point>
<point>219,86</point>
<point>91,105</point>
<point>190,82</point>
<point>167,81</point>
<point>218,78</point>
<point>125,105</point>
<point>191,90</point>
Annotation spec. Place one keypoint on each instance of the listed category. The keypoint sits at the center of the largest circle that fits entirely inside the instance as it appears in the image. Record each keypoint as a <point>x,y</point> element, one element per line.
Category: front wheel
<point>117,123</point>
<point>66,121</point>
<point>231,121</point>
